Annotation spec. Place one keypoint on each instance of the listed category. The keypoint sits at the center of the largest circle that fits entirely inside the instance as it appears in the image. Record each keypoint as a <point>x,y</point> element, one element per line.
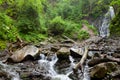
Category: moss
<point>83,35</point>
<point>115,26</point>
<point>2,45</point>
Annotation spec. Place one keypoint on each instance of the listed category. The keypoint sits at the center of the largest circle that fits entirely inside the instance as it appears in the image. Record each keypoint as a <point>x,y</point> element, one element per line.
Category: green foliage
<point>95,8</point>
<point>2,45</point>
<point>91,27</point>
<point>116,5</point>
<point>33,20</point>
<point>67,9</point>
<point>83,35</point>
<point>28,19</point>
<point>1,1</point>
<point>7,30</point>
<point>57,26</point>
<point>29,15</point>
<point>115,26</point>
<point>115,23</point>
<point>115,2</point>
<point>33,37</point>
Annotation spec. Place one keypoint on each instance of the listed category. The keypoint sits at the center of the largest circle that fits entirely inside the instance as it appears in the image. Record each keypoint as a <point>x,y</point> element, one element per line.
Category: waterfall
<point>48,65</point>
<point>104,29</point>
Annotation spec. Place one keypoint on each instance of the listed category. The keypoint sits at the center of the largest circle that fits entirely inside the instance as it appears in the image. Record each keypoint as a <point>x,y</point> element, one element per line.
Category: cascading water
<point>86,74</point>
<point>104,29</point>
<point>9,70</point>
<point>48,66</point>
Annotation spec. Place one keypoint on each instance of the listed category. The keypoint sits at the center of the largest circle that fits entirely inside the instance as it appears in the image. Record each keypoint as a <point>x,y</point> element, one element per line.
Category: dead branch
<point>82,61</point>
<point>69,39</point>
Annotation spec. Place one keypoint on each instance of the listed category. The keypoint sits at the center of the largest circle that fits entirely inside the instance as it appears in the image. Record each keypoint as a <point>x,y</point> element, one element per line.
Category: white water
<point>10,72</point>
<point>48,65</point>
<point>86,74</point>
<point>104,29</point>
<point>72,61</point>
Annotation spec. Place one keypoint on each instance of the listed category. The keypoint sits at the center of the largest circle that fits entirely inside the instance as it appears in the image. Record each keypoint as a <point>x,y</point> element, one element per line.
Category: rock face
<point>19,55</point>
<point>100,70</point>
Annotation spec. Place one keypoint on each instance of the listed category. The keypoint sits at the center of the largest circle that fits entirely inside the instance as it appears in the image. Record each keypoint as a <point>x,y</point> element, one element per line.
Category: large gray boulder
<point>28,50</point>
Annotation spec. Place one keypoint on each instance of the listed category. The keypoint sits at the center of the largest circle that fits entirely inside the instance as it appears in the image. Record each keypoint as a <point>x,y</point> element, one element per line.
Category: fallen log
<point>101,60</point>
<point>82,61</point>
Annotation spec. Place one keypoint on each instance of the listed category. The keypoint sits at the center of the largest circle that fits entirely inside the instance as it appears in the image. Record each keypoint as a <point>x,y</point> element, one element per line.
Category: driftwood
<point>69,39</point>
<point>101,60</point>
<point>82,61</point>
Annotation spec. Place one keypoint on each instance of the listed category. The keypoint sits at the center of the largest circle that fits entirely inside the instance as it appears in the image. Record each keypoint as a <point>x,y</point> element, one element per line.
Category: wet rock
<point>95,39</point>
<point>76,52</point>
<point>19,55</point>
<point>63,53</point>
<point>116,55</point>
<point>115,74</point>
<point>4,53</point>
<point>100,70</point>
<point>94,54</point>
<point>55,48</point>
<point>2,73</point>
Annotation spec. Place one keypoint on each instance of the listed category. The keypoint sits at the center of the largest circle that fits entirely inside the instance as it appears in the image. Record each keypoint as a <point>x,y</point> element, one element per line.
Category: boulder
<point>100,70</point>
<point>63,53</point>
<point>55,48</point>
<point>21,54</point>
<point>76,52</point>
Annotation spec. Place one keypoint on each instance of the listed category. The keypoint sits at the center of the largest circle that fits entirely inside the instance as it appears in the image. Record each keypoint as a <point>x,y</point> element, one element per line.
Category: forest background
<point>36,20</point>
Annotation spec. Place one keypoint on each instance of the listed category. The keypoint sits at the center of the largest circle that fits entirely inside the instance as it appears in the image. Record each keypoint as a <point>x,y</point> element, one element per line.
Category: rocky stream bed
<point>55,60</point>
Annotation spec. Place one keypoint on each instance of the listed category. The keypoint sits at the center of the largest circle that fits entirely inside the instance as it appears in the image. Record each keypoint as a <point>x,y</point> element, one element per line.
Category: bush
<point>57,26</point>
<point>83,35</point>
<point>115,26</point>
<point>28,20</point>
<point>7,30</point>
<point>33,37</point>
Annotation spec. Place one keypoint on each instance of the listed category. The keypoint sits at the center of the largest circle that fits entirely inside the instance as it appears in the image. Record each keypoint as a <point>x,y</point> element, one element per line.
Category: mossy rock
<point>101,70</point>
<point>2,45</point>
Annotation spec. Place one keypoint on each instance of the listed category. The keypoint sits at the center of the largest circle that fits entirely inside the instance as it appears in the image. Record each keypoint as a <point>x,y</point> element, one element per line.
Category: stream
<point>10,71</point>
<point>46,66</point>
